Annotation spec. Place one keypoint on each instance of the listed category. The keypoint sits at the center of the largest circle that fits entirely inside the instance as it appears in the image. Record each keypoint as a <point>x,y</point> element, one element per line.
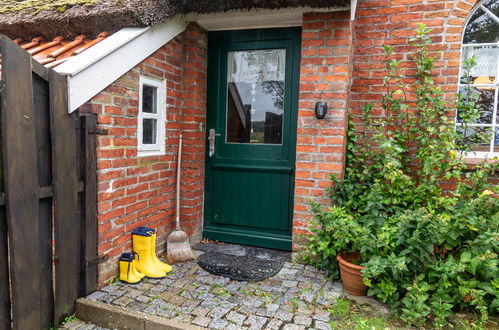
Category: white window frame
<point>494,124</point>
<point>160,116</point>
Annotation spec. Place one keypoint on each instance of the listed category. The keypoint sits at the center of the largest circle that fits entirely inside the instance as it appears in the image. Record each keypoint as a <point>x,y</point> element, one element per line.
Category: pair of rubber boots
<point>143,261</point>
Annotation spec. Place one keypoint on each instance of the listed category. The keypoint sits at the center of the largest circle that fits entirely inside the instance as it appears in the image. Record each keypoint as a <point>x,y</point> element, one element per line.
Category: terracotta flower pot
<point>350,274</point>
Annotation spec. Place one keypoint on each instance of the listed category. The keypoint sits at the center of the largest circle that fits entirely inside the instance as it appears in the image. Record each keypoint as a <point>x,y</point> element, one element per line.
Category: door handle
<point>211,138</point>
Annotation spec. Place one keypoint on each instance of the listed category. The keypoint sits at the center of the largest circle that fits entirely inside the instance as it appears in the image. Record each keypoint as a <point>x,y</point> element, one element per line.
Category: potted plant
<point>345,237</point>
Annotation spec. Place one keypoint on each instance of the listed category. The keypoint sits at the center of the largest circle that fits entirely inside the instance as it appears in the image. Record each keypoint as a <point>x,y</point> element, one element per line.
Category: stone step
<point>114,317</point>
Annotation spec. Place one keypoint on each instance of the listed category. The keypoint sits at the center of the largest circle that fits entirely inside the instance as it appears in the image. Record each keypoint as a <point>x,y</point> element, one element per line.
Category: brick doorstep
<point>113,317</point>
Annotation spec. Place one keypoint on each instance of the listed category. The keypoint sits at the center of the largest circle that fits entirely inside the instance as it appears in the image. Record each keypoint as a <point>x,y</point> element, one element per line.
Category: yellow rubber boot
<point>126,270</point>
<point>134,266</point>
<point>145,264</point>
<point>161,265</point>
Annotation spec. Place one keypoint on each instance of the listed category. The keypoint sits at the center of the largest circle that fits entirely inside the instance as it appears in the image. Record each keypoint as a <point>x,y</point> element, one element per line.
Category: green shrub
<point>427,250</point>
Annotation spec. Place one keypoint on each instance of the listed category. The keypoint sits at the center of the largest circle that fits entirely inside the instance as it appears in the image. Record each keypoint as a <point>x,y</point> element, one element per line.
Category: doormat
<point>243,263</point>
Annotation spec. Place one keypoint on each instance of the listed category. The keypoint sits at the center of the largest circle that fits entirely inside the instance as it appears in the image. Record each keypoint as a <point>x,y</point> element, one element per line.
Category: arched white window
<point>481,40</point>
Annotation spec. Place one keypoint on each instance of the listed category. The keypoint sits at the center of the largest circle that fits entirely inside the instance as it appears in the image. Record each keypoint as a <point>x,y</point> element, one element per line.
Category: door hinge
<point>97,261</point>
<point>98,131</point>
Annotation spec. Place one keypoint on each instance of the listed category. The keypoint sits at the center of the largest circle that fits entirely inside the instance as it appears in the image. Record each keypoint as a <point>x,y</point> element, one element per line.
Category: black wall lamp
<point>320,109</point>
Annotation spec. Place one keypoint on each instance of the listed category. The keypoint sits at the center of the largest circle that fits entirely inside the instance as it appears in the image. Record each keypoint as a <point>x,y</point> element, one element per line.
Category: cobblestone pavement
<point>295,298</point>
<point>80,325</point>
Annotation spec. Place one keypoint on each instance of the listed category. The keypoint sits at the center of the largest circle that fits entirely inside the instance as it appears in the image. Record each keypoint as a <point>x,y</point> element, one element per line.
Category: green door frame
<point>278,158</point>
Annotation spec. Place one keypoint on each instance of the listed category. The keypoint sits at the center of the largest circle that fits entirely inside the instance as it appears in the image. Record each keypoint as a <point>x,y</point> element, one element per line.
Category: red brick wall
<point>327,69</point>
<point>325,75</point>
<point>393,22</point>
<point>135,191</point>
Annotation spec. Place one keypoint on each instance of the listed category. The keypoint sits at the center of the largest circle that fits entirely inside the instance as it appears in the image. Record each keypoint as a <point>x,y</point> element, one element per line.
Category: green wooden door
<point>251,127</point>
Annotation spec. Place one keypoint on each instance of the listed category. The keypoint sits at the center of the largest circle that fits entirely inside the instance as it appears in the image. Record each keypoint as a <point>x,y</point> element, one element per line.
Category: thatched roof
<point>26,18</point>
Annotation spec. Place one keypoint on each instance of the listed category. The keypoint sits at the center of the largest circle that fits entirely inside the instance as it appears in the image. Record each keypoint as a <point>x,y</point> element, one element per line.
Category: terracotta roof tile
<point>53,52</point>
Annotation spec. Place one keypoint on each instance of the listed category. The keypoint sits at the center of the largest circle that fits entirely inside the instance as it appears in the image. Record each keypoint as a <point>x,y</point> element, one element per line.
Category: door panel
<point>252,106</point>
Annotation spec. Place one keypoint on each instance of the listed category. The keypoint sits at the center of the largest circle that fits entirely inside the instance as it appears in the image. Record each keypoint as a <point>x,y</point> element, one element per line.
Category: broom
<point>177,243</point>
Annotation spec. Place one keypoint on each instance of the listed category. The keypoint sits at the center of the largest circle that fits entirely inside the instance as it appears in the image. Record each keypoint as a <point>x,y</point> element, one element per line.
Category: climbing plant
<point>425,222</point>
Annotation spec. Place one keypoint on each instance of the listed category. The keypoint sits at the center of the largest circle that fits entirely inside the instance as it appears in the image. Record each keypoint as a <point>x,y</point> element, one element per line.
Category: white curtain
<point>256,65</point>
<point>486,57</point>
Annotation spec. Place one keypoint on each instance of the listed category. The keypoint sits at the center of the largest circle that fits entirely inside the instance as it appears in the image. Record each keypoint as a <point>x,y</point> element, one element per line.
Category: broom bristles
<point>178,248</point>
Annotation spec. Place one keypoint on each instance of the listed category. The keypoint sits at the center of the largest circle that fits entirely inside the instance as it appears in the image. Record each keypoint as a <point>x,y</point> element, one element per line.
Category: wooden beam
<point>65,187</point>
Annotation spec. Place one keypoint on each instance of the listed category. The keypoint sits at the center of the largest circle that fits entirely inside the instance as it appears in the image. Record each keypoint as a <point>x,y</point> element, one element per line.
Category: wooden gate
<point>48,229</point>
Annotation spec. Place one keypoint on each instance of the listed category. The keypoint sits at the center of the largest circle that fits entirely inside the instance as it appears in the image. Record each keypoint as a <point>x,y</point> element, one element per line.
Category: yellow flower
<point>487,192</point>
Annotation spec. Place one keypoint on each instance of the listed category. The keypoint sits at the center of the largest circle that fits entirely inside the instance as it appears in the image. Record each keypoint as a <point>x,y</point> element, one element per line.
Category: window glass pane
<point>149,129</point>
<point>493,6</point>
<point>481,28</point>
<point>255,96</point>
<point>485,70</point>
<point>149,95</point>
<point>475,138</point>
<point>483,98</point>
<point>496,140</point>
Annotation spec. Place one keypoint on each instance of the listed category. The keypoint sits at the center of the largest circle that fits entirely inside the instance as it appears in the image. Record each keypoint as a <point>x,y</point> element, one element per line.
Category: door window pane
<point>255,96</point>
<point>149,127</point>
<point>149,99</point>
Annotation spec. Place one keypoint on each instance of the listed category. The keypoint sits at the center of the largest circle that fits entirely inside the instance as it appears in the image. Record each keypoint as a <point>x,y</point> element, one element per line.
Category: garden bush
<point>425,223</point>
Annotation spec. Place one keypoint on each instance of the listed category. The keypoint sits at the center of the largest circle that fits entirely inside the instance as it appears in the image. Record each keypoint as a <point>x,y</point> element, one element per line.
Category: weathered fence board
<point>21,187</point>
<point>48,227</point>
<point>88,172</point>
<point>44,174</point>
<point>65,186</point>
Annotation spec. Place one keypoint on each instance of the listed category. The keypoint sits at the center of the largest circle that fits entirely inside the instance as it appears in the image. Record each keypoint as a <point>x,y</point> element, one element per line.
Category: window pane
<point>485,70</point>
<point>255,96</point>
<point>149,95</point>
<point>493,6</point>
<point>483,98</point>
<point>149,129</point>
<point>475,138</point>
<point>496,140</point>
<point>481,28</point>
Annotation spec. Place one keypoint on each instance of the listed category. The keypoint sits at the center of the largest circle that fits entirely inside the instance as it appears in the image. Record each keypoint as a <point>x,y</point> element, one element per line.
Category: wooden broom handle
<point>179,162</point>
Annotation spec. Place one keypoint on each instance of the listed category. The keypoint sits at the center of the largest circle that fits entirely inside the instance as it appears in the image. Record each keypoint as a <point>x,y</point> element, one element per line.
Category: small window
<point>151,119</point>
<point>481,41</point>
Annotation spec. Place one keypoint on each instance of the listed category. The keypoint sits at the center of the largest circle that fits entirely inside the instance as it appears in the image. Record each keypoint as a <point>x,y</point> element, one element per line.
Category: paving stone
<point>191,303</point>
<point>159,288</point>
<point>236,317</point>
<point>202,321</point>
<point>288,271</point>
<point>218,312</point>
<point>184,318</point>
<point>274,325</point>
<point>322,325</point>
<point>233,326</point>
<point>177,300</point>
<point>123,301</point>
<point>289,284</point>
<point>218,324</point>
<point>108,298</point>
<point>272,307</point>
<point>321,315</point>
<point>302,319</point>
<point>255,322</point>
<point>136,306</point>
<point>96,295</point>
<point>253,302</point>
<point>283,315</point>
<point>73,325</point>
<point>200,311</point>
<point>88,327</point>
<point>292,326</point>
<point>143,299</point>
